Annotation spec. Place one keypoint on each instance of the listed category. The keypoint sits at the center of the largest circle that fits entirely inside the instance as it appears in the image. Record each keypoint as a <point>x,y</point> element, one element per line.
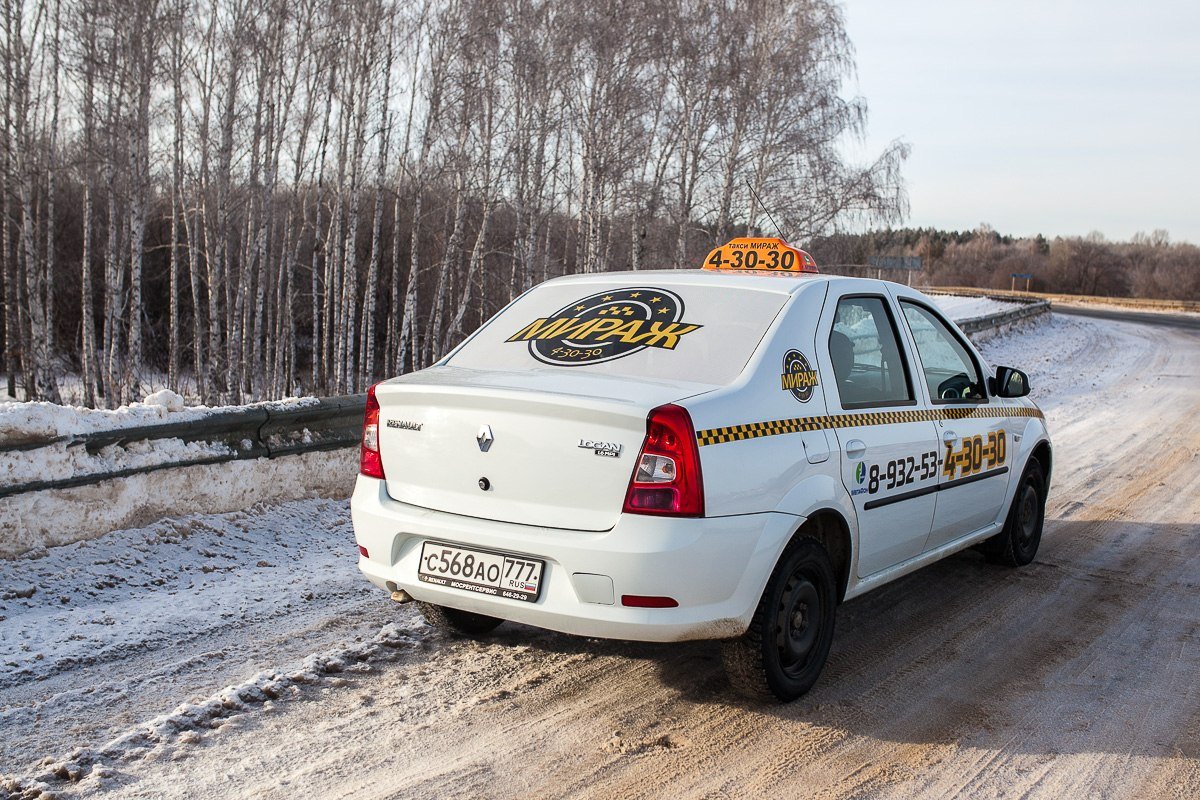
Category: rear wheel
<point>1017,543</point>
<point>467,622</point>
<point>783,652</point>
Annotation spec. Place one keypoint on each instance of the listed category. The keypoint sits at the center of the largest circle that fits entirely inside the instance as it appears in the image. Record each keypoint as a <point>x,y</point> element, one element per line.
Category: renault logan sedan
<point>724,453</point>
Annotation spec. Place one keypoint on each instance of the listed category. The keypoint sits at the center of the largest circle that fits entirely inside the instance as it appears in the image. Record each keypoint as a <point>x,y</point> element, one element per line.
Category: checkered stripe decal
<point>755,430</point>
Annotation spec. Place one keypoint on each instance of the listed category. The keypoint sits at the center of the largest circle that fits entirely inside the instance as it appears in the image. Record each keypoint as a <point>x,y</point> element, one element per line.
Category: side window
<point>866,356</point>
<point>950,371</point>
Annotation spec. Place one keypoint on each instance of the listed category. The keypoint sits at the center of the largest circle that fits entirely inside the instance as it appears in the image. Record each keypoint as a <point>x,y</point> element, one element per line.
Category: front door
<point>888,444</point>
<point>974,441</point>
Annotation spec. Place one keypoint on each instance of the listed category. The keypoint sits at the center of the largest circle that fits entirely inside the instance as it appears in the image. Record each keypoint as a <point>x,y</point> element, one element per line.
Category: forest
<point>1147,266</point>
<point>248,199</point>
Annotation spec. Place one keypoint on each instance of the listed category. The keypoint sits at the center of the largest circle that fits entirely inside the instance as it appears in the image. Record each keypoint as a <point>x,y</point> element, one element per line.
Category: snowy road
<point>1076,676</point>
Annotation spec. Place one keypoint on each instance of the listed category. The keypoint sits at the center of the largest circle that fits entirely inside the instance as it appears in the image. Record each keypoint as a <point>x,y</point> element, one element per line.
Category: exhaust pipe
<point>401,596</point>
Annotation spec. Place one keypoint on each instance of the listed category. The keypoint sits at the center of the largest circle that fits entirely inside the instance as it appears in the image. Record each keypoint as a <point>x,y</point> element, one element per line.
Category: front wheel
<point>783,652</point>
<point>466,622</point>
<point>1017,543</point>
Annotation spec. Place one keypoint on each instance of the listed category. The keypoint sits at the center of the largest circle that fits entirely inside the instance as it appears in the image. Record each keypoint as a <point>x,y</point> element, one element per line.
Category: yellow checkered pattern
<point>755,430</point>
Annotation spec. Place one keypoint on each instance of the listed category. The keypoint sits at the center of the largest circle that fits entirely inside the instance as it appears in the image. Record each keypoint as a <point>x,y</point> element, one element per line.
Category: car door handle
<point>855,448</point>
<point>949,437</point>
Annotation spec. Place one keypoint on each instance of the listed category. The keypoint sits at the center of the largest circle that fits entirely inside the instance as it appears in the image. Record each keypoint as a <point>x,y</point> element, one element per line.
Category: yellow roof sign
<point>759,255</point>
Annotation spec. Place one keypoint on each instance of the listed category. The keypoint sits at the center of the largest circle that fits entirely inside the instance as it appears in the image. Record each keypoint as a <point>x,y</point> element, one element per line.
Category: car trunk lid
<point>537,447</point>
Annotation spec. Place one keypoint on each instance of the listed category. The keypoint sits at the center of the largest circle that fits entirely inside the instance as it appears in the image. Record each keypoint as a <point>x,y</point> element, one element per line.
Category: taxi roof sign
<point>759,254</point>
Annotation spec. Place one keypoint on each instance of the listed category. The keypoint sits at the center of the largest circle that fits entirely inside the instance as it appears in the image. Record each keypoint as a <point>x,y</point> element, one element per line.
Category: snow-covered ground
<point>34,521</point>
<point>101,640</point>
<point>24,422</point>
<point>20,420</point>
<point>46,518</point>
<point>242,654</point>
<point>960,308</point>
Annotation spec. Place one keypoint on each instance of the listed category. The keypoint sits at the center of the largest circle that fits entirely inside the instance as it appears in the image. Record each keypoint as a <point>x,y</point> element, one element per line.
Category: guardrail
<point>1140,303</point>
<point>1030,307</point>
<point>269,430</point>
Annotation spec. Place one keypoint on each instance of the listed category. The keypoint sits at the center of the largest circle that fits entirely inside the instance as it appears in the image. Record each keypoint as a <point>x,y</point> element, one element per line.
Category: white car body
<point>770,462</point>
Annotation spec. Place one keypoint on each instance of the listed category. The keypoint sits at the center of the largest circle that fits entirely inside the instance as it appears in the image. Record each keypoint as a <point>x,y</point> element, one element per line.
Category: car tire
<point>453,619</point>
<point>1017,544</point>
<point>782,653</point>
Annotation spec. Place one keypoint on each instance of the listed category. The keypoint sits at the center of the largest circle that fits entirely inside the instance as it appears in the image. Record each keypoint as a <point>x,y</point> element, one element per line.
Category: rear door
<point>887,443</point>
<point>974,474</point>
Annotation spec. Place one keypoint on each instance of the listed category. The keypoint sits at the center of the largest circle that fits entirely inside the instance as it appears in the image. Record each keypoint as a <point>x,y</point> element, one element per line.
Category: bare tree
<point>299,195</point>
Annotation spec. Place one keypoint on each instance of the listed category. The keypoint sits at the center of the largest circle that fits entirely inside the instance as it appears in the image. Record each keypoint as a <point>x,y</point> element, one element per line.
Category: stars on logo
<point>580,308</point>
<point>634,295</point>
<point>607,297</point>
<point>664,310</point>
<point>655,299</point>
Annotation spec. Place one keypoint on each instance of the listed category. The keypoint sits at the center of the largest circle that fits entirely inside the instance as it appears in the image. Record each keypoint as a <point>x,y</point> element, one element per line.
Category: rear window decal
<point>606,326</point>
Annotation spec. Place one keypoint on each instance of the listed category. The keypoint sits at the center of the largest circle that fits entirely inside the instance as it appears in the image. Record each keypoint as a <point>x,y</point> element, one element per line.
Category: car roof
<point>781,282</point>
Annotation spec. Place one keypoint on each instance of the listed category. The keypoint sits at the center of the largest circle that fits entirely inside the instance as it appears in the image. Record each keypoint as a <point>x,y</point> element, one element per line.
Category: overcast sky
<point>1052,117</point>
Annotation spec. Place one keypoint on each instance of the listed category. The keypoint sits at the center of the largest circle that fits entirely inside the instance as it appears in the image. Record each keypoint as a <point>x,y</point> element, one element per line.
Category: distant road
<point>1187,321</point>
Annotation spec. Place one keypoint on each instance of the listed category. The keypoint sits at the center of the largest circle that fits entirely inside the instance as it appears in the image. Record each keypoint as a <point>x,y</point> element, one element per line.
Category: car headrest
<point>841,352</point>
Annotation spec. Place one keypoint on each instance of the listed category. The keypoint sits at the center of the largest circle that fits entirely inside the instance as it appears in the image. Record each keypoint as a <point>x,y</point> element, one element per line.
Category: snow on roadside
<point>141,588</point>
<point>186,723</point>
<point>36,520</point>
<point>61,460</point>
<point>64,460</point>
<point>1039,348</point>
<point>21,420</point>
<point>1067,358</point>
<point>89,605</point>
<point>960,308</point>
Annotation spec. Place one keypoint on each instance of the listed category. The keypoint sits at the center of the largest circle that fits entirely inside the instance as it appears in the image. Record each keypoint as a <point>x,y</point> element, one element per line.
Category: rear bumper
<point>715,568</point>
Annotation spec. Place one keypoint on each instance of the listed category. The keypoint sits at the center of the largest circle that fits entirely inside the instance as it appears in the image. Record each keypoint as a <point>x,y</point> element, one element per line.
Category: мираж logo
<point>607,325</point>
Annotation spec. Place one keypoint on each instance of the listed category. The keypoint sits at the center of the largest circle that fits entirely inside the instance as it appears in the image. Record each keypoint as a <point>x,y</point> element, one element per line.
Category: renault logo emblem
<point>485,437</point>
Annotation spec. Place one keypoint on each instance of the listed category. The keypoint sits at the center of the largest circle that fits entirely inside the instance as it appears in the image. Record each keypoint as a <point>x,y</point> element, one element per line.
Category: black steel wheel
<point>1017,544</point>
<point>783,652</point>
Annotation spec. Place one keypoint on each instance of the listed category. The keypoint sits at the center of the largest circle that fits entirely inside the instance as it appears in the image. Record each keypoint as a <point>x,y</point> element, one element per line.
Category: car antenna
<point>766,211</point>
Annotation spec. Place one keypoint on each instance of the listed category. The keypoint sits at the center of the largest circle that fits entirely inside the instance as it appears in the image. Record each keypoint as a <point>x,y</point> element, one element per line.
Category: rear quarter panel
<point>747,471</point>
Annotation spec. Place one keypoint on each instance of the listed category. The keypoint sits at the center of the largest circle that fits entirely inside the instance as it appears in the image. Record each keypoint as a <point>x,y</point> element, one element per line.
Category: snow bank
<point>63,460</point>
<point>19,421</point>
<point>52,517</point>
<point>186,723</point>
<point>39,419</point>
<point>1045,344</point>
<point>963,308</point>
<point>45,519</point>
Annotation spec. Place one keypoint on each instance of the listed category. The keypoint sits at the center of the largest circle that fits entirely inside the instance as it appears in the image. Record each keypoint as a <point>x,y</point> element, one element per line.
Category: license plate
<point>496,574</point>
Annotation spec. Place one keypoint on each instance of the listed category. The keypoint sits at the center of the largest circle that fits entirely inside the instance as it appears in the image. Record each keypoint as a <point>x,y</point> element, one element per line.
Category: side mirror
<point>1009,382</point>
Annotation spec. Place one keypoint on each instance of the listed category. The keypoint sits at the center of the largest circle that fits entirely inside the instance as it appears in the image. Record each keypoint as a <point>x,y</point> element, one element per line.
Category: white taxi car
<point>724,453</point>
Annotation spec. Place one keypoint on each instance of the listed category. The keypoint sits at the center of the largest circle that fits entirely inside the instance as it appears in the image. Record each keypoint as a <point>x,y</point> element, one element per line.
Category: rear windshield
<point>702,334</point>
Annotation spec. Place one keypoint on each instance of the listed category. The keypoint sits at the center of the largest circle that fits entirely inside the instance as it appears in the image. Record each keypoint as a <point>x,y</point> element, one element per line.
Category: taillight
<point>666,480</point>
<point>370,463</point>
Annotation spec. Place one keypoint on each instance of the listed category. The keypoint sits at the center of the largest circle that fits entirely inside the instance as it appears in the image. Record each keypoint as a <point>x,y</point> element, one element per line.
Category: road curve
<point>1155,318</point>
